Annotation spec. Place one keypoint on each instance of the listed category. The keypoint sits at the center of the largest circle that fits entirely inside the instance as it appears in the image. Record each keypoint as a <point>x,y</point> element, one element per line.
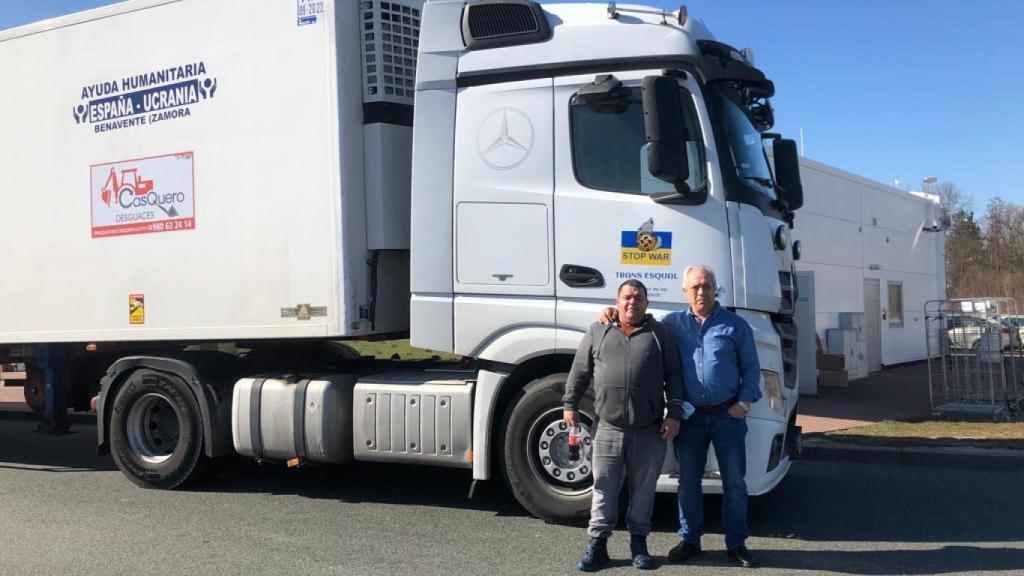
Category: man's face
<point>700,292</point>
<point>631,305</point>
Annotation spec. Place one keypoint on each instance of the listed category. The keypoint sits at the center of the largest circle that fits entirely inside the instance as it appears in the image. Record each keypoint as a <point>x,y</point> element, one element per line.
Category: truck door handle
<point>578,276</point>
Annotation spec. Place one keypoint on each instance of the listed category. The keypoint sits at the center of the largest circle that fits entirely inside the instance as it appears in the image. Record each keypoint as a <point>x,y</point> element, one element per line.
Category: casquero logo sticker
<point>646,246</point>
<point>147,98</point>
<point>143,196</point>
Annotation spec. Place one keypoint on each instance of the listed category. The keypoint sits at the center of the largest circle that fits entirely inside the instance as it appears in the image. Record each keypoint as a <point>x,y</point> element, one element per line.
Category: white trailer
<point>211,196</point>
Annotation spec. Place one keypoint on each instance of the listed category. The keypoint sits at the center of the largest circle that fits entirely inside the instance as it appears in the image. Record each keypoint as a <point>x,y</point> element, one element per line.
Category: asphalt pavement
<point>65,511</point>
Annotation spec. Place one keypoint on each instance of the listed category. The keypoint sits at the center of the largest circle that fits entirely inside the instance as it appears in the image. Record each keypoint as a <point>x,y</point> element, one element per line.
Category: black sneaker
<point>742,556</point>
<point>638,550</point>
<point>594,556</point>
<point>683,551</point>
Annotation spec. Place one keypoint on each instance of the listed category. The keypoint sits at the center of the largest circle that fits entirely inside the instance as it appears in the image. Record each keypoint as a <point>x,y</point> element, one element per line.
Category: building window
<point>895,303</point>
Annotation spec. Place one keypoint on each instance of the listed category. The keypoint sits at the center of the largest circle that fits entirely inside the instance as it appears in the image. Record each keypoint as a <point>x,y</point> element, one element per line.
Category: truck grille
<point>786,329</point>
<point>786,283</point>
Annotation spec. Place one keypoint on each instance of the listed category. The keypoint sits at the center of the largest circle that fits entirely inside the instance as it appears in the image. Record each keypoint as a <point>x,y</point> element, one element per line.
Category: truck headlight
<point>772,387</point>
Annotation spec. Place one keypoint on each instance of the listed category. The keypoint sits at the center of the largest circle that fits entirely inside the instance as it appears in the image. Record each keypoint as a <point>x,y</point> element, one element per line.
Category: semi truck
<point>205,201</point>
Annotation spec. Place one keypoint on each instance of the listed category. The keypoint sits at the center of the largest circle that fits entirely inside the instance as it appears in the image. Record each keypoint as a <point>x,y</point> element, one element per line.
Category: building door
<point>873,324</point>
<point>807,369</point>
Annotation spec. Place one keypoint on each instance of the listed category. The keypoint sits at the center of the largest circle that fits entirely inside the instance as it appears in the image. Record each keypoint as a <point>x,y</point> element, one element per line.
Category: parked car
<point>1016,322</point>
<point>965,332</point>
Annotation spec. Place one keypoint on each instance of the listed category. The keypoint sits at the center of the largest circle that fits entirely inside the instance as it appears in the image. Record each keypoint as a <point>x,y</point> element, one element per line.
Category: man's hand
<point>608,316</point>
<point>737,411</point>
<point>669,428</point>
<point>571,417</point>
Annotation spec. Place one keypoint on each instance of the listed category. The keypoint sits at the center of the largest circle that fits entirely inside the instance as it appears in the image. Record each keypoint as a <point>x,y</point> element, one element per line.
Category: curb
<point>942,457</point>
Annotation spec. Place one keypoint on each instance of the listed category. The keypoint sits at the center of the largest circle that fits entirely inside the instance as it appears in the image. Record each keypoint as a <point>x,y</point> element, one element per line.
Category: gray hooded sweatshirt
<point>634,376</point>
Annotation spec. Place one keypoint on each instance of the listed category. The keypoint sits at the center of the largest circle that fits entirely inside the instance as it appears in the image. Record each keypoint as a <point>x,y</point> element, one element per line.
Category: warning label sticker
<point>143,196</point>
<point>137,309</point>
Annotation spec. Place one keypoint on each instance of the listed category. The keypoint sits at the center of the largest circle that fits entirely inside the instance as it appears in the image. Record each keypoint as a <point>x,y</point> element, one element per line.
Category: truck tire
<point>156,432</point>
<point>534,455</point>
<point>35,390</point>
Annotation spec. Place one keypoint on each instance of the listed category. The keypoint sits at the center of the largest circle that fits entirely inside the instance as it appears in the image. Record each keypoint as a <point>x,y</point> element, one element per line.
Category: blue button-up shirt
<point>719,357</point>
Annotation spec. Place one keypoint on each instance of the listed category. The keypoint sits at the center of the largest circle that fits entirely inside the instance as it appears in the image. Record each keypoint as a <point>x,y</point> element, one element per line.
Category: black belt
<point>716,408</point>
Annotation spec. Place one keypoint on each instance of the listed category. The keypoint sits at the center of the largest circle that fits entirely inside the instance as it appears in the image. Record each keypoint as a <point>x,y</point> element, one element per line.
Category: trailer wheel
<point>35,390</point>
<point>535,453</point>
<point>156,433</point>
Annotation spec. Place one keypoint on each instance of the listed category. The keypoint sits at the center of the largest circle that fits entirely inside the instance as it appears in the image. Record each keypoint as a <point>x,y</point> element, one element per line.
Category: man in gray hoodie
<point>636,372</point>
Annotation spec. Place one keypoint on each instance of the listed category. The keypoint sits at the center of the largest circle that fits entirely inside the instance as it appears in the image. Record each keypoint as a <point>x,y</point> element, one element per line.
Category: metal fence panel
<point>975,358</point>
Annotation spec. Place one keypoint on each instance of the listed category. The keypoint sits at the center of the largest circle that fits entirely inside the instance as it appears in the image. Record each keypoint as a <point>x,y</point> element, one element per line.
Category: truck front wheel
<point>535,456</point>
<point>156,433</point>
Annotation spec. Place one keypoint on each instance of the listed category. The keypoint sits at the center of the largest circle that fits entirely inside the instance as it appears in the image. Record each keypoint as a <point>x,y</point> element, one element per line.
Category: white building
<point>872,249</point>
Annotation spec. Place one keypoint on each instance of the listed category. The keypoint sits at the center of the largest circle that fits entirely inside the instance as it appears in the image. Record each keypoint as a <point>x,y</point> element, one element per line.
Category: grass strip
<point>935,431</point>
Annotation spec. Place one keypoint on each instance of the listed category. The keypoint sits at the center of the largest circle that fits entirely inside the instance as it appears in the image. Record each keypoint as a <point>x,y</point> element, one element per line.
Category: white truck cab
<point>523,229</point>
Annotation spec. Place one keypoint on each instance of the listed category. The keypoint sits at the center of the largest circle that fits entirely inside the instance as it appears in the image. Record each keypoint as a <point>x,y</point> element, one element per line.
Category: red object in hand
<point>574,443</point>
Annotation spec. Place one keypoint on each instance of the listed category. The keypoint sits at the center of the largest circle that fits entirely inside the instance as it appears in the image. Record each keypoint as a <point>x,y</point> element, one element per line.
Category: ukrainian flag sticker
<point>646,246</point>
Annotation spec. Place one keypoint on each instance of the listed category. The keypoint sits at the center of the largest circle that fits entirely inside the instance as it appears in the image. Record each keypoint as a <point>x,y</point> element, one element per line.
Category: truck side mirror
<point>666,138</point>
<point>787,173</point>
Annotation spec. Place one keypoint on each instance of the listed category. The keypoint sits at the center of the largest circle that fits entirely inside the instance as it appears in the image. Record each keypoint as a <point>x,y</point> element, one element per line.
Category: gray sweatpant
<point>635,455</point>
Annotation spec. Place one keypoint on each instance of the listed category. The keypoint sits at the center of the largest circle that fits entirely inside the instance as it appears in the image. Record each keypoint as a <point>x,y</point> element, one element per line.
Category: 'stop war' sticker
<point>646,246</point>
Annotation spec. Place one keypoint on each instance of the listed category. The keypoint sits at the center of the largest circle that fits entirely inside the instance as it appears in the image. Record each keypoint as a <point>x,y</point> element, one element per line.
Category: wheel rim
<point>35,391</point>
<point>547,446</point>
<point>153,428</point>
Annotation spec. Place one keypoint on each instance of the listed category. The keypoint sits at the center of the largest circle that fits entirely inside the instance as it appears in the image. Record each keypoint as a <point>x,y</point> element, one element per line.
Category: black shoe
<point>594,556</point>
<point>638,551</point>
<point>742,556</point>
<point>683,551</point>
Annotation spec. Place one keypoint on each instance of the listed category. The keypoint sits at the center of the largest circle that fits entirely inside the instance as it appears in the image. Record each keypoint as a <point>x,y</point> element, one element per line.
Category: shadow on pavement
<point>833,501</point>
<point>855,503</point>
<point>944,560</point>
<point>365,482</point>
<point>21,448</point>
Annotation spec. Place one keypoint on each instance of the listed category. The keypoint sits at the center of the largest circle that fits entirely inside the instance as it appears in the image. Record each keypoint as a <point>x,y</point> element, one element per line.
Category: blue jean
<point>728,435</point>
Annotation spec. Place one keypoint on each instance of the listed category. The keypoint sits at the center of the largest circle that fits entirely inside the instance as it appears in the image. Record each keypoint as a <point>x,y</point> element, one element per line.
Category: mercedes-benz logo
<point>504,138</point>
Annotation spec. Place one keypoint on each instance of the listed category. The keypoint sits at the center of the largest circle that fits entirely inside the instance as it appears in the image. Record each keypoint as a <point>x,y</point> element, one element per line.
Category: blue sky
<point>883,88</point>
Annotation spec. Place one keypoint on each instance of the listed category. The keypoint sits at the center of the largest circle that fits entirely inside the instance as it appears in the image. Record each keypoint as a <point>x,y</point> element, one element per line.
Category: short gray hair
<point>707,272</point>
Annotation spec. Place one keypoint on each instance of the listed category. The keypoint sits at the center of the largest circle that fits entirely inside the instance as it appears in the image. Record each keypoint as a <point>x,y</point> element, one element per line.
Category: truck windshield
<point>744,141</point>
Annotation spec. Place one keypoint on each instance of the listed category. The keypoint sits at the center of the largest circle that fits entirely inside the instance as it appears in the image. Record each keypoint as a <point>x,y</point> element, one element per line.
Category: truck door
<point>503,191</point>
<point>608,228</point>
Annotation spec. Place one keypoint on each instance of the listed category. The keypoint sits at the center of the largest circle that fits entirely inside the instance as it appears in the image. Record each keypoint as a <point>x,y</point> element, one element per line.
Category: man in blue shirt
<point>721,379</point>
